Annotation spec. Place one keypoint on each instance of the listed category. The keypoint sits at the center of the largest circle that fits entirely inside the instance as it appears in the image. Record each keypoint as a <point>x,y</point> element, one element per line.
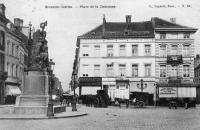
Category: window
<point>186,71</point>
<point>174,50</point>
<point>186,50</point>
<point>148,70</point>
<point>85,70</point>
<point>135,70</point>
<point>122,50</point>
<point>1,62</point>
<point>16,71</point>
<point>13,49</point>
<point>85,50</point>
<point>147,50</point>
<point>186,35</point>
<point>109,50</point>
<point>12,70</point>
<point>163,36</point>
<point>122,69</point>
<point>162,70</point>
<point>163,50</point>
<point>8,69</point>
<point>97,50</point>
<point>2,40</point>
<point>17,50</point>
<point>110,71</point>
<point>96,70</point>
<point>134,50</point>
<point>8,47</point>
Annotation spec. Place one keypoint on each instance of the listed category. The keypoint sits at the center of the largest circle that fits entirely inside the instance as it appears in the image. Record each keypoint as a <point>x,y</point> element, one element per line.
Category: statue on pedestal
<point>39,50</point>
<point>35,97</point>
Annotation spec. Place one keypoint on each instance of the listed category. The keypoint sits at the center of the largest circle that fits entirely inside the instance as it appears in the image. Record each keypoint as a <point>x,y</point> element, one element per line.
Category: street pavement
<point>115,118</point>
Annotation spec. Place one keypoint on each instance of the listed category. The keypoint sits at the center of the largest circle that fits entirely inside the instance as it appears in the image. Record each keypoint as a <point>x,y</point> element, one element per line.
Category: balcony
<point>174,80</point>
<point>174,59</point>
<point>3,75</point>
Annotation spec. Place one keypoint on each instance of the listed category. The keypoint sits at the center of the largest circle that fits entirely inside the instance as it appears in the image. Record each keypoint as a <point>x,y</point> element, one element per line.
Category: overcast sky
<point>65,24</point>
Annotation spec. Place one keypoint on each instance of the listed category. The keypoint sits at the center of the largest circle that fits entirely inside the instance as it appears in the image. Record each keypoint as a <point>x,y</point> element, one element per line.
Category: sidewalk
<point>5,114</point>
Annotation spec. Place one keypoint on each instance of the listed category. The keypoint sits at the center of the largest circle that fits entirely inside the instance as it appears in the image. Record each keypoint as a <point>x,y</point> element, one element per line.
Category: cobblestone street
<point>160,118</point>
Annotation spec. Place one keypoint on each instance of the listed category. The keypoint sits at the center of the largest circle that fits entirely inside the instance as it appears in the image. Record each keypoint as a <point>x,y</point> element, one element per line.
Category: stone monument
<point>34,98</point>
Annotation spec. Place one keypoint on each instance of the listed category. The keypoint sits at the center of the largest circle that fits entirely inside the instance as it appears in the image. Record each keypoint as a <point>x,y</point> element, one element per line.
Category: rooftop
<point>128,29</point>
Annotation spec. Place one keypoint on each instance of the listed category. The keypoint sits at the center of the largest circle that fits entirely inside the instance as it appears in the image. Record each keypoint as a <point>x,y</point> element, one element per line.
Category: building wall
<point>90,56</point>
<point>2,61</point>
<point>179,40</point>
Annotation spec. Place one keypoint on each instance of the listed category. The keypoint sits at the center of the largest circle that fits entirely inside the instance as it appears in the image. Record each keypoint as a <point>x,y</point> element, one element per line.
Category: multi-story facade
<point>57,89</point>
<point>132,55</point>
<point>197,76</point>
<point>174,59</point>
<point>14,56</point>
<point>3,73</point>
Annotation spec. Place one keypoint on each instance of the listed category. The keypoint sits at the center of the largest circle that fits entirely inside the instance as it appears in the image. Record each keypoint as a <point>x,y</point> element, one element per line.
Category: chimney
<point>128,19</point>
<point>18,23</point>
<point>173,20</point>
<point>2,9</point>
<point>104,25</point>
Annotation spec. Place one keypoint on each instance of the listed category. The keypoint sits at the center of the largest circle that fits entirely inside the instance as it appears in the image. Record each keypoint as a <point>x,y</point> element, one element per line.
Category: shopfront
<point>89,85</point>
<point>3,76</point>
<point>179,92</point>
<point>11,93</point>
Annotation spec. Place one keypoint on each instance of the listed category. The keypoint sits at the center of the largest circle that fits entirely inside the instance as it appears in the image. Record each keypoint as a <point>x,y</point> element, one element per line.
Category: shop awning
<point>12,90</point>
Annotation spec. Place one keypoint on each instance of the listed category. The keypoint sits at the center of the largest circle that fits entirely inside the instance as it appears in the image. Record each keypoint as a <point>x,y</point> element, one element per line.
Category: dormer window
<point>186,35</point>
<point>163,36</point>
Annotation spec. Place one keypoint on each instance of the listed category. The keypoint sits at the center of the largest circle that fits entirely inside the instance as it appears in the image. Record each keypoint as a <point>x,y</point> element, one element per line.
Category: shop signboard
<point>90,81</point>
<point>167,92</point>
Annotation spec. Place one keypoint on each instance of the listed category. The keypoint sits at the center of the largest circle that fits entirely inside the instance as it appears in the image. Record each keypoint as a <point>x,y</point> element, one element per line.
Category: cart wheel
<point>140,104</point>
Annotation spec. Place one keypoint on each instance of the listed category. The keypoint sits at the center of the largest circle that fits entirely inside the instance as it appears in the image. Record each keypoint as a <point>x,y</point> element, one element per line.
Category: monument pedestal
<point>34,98</point>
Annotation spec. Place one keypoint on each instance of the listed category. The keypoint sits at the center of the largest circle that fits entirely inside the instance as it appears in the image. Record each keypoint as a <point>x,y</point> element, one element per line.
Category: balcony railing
<point>174,79</point>
<point>174,59</point>
<point>3,75</point>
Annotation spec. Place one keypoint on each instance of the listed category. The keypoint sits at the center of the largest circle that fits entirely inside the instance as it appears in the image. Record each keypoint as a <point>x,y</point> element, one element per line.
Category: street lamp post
<point>50,113</point>
<point>74,97</point>
<point>142,87</point>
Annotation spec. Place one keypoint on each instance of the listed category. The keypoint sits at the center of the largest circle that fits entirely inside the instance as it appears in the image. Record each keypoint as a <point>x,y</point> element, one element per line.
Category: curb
<point>43,118</point>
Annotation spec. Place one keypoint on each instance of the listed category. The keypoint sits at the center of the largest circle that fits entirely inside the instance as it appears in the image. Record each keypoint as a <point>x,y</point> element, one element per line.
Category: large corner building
<point>155,56</point>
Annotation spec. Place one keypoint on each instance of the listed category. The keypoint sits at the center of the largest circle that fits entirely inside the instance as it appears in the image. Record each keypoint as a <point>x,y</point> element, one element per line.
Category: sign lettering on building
<point>90,81</point>
<point>167,92</point>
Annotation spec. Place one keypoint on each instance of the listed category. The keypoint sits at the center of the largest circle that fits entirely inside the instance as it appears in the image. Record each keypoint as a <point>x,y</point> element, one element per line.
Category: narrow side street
<point>160,118</point>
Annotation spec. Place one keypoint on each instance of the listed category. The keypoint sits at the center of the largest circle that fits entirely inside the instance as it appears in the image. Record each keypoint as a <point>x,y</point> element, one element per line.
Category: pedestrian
<point>127,103</point>
<point>119,104</point>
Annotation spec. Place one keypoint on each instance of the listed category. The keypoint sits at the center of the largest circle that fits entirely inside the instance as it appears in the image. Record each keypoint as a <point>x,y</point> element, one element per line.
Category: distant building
<point>14,53</point>
<point>135,56</point>
<point>57,89</point>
